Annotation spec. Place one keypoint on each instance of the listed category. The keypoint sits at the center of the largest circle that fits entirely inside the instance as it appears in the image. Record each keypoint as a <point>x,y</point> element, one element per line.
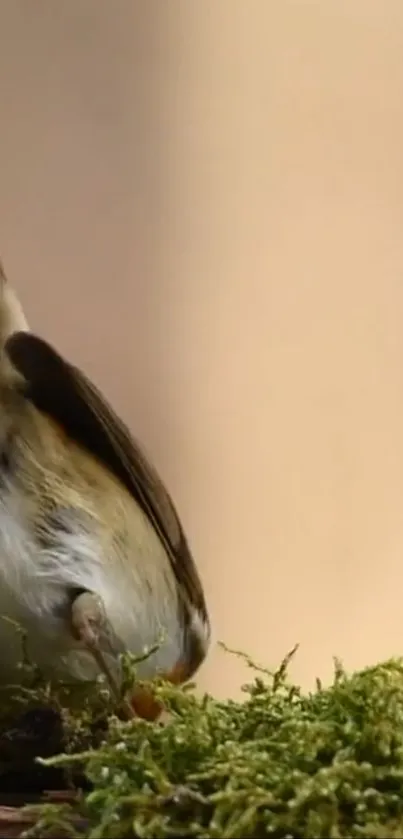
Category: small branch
<point>14,821</point>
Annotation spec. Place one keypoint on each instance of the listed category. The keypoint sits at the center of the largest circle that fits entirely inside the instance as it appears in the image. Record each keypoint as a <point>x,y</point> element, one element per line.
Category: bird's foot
<point>89,623</point>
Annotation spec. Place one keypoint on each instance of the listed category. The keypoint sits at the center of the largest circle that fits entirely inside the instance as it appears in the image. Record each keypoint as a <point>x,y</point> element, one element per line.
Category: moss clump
<point>280,764</point>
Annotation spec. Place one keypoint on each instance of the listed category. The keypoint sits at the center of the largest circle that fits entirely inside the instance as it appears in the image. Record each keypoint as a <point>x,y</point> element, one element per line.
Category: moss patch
<point>283,763</point>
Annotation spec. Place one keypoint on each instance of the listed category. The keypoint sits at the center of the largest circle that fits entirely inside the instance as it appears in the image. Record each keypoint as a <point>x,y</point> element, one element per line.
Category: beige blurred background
<point>201,203</point>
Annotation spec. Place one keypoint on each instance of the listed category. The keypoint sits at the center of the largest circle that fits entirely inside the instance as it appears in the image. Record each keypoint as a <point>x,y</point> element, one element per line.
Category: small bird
<point>94,560</point>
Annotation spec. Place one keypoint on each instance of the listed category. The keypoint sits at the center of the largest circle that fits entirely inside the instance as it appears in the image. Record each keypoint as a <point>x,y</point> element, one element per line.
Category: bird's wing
<point>62,391</point>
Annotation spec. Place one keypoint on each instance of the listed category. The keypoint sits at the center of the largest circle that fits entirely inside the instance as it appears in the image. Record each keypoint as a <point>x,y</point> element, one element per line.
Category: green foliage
<point>280,764</point>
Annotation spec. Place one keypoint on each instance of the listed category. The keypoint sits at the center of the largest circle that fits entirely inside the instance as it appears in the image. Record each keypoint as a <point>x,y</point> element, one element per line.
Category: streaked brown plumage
<point>93,557</point>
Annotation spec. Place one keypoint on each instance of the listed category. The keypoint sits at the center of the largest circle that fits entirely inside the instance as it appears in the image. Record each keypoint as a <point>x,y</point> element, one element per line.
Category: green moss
<point>280,764</point>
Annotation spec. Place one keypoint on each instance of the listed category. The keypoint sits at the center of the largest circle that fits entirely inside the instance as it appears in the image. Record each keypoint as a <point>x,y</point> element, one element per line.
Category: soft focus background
<point>201,203</point>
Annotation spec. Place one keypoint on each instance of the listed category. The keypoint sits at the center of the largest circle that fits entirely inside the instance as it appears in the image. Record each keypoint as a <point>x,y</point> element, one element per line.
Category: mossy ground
<point>283,763</point>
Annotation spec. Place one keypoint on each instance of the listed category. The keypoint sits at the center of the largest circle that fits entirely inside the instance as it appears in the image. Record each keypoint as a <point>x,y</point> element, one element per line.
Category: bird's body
<point>82,511</point>
<point>67,524</point>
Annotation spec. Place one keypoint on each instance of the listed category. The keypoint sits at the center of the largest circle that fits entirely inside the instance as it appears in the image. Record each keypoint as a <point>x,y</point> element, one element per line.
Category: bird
<point>94,559</point>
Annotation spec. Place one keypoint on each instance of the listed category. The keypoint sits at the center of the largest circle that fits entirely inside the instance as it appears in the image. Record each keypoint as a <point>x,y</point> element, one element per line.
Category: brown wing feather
<point>62,391</point>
